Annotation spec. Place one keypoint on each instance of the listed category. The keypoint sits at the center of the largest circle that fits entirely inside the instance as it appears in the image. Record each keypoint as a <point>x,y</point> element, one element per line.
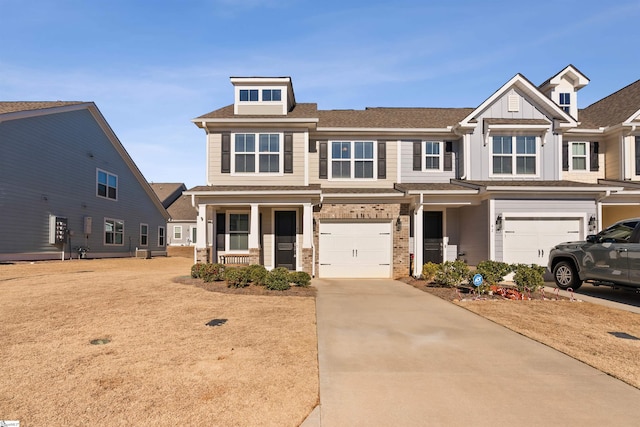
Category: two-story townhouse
<point>66,182</point>
<point>358,193</point>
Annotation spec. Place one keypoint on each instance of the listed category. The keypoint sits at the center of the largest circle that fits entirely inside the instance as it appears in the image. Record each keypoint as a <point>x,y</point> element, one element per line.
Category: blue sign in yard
<point>477,280</point>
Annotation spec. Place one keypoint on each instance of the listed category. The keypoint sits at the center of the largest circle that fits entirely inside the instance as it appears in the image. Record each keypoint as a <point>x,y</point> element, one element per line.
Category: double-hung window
<point>267,152</point>
<point>352,159</point>
<point>113,231</point>
<point>565,102</point>
<point>579,156</point>
<point>107,185</point>
<point>177,232</point>
<point>144,234</point>
<point>432,156</point>
<point>514,155</point>
<point>238,231</point>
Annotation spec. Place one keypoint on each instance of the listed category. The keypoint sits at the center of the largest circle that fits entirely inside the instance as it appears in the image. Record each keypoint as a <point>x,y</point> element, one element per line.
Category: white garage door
<point>529,240</point>
<point>355,250</point>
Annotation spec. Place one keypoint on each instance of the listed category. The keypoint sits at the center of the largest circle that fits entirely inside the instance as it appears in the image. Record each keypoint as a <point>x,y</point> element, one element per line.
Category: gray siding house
<point>68,188</point>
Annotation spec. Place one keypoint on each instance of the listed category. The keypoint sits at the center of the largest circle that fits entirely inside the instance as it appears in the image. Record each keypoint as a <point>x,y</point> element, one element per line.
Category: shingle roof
<point>531,183</point>
<point>612,110</point>
<point>380,117</point>
<point>431,186</point>
<point>256,188</point>
<point>17,106</point>
<point>167,192</point>
<point>299,111</point>
<point>503,121</point>
<point>182,209</point>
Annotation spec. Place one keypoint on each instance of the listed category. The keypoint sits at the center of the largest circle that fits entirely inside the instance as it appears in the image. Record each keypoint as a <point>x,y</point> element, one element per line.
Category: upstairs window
<point>514,155</point>
<point>433,156</point>
<point>107,185</point>
<point>247,95</point>
<point>565,102</point>
<point>579,156</point>
<point>267,151</point>
<point>271,94</point>
<point>352,159</point>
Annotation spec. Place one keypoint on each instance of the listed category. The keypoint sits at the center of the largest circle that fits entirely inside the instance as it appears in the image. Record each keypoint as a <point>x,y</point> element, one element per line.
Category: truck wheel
<point>566,276</point>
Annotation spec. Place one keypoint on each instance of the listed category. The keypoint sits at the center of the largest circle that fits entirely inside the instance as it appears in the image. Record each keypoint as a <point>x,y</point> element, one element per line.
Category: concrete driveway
<point>391,355</point>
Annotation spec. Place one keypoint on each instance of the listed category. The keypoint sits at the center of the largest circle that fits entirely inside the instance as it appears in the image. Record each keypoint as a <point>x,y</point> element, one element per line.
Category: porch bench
<point>234,259</point>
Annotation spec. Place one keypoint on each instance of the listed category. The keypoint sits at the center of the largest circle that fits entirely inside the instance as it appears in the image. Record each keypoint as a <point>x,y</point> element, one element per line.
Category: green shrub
<point>493,272</point>
<point>257,274</point>
<point>452,273</point>
<point>196,270</point>
<point>277,279</point>
<point>212,272</point>
<point>300,278</point>
<point>237,277</point>
<point>528,277</point>
<point>429,270</point>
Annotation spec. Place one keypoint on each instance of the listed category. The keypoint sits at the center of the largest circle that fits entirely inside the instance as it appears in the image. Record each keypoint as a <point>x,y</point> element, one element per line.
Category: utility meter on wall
<point>57,229</point>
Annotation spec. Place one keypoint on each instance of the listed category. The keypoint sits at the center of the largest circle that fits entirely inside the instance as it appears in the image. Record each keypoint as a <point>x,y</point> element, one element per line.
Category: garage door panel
<point>356,250</point>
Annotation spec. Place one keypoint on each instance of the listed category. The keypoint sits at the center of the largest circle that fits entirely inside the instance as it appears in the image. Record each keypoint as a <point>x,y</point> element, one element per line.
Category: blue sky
<point>152,66</point>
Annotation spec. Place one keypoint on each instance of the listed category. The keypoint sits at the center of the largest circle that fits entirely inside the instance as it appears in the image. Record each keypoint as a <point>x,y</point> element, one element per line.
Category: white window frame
<point>177,232</point>
<point>352,160</point>
<point>256,154</point>
<point>146,235</point>
<point>228,232</point>
<point>260,94</point>
<point>514,155</point>
<point>586,156</point>
<point>439,156</point>
<point>162,236</point>
<point>109,174</point>
<point>114,232</point>
<point>566,107</point>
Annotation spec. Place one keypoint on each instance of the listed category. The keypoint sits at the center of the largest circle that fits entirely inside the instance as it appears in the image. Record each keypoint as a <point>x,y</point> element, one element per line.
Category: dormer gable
<point>563,89</point>
<point>263,96</point>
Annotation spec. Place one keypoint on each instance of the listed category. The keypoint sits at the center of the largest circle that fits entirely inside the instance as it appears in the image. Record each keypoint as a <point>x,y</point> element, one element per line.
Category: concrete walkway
<point>391,355</point>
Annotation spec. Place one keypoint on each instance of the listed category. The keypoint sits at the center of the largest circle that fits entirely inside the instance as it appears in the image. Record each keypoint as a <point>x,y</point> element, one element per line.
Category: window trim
<point>514,155</point>
<point>352,160</point>
<point>587,156</point>
<point>260,94</point>
<point>146,235</point>
<point>440,156</point>
<point>98,171</point>
<point>228,232</point>
<point>566,106</point>
<point>256,154</point>
<point>162,236</point>
<point>104,235</point>
<point>177,228</point>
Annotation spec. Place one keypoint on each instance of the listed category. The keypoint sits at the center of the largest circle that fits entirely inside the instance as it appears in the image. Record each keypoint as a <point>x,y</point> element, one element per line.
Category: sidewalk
<point>391,355</point>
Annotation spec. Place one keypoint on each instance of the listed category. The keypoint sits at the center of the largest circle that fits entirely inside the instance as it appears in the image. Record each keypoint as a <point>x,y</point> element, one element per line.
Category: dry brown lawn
<point>163,364</point>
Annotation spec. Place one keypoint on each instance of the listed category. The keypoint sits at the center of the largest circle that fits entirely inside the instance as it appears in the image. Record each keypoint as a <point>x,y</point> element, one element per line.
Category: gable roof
<point>182,209</point>
<point>581,79</point>
<point>167,192</point>
<point>619,107</point>
<point>19,106</point>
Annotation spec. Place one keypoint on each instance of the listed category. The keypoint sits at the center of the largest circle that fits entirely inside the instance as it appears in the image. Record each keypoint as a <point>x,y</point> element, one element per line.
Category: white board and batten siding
<point>355,249</point>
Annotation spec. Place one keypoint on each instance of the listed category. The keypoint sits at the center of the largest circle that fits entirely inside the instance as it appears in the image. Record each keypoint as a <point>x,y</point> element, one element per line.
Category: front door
<point>285,223</point>
<point>432,230</point>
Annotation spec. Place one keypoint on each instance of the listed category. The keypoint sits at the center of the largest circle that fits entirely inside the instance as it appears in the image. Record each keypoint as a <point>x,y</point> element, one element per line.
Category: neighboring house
<point>362,193</point>
<point>66,182</point>
<point>182,215</point>
<point>168,192</point>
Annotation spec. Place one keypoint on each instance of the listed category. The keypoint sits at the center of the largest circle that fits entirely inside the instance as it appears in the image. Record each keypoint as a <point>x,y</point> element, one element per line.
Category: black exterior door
<point>285,222</point>
<point>432,231</point>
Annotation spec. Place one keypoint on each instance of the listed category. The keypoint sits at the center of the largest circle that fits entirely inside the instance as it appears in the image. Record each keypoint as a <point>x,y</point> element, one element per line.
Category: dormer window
<point>253,95</point>
<point>565,102</point>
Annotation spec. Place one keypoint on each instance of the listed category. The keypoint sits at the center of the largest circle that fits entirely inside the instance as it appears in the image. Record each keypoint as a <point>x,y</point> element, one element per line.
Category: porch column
<point>254,228</point>
<point>202,250</point>
<point>418,241</point>
<point>307,225</point>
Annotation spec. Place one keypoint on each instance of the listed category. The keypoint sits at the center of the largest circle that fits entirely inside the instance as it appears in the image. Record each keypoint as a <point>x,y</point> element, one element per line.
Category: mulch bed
<point>221,287</point>
<point>468,293</point>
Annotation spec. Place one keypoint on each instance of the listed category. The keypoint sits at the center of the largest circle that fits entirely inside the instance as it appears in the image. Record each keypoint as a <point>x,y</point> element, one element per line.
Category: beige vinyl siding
<point>392,167</point>
<point>612,155</point>
<point>215,177</point>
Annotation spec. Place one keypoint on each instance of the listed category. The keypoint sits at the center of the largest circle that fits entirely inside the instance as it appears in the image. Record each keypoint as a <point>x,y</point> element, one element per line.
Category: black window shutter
<point>448,156</point>
<point>226,153</point>
<point>594,150</point>
<point>313,148</point>
<point>323,160</point>
<point>220,230</point>
<point>288,153</point>
<point>382,160</point>
<point>417,156</point>
<point>565,155</point>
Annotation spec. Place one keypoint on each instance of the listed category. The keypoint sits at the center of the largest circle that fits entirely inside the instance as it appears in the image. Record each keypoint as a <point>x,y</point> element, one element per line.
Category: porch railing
<point>234,259</point>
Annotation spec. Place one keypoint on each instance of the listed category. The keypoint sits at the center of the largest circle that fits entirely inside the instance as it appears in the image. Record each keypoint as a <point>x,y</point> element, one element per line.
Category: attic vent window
<point>514,103</point>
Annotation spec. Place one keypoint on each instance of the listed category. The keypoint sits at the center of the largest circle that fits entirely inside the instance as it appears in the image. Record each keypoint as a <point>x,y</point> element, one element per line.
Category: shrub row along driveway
<point>163,364</point>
